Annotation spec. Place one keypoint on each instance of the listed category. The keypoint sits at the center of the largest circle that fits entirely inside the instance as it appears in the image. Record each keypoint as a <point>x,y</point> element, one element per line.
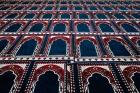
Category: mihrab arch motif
<point>87,49</point>
<point>47,83</point>
<point>106,27</point>
<point>5,41</point>
<point>83,27</point>
<point>132,75</point>
<point>99,84</point>
<point>58,47</point>
<point>59,27</point>
<point>90,72</point>
<point>54,70</point>
<point>9,76</point>
<point>128,27</point>
<point>64,42</point>
<point>37,27</point>
<point>117,46</point>
<point>28,46</point>
<point>13,27</point>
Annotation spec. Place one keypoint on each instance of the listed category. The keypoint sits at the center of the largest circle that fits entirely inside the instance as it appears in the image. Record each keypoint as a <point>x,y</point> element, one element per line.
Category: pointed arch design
<point>118,48</point>
<point>59,27</point>
<point>132,74</point>
<point>7,81</point>
<point>58,70</point>
<point>12,74</point>
<point>87,48</point>
<point>108,38</point>
<point>85,38</point>
<point>9,39</point>
<point>47,82</point>
<point>129,71</point>
<point>27,48</point>
<point>83,27</point>
<point>89,71</point>
<point>105,27</point>
<point>53,68</point>
<point>80,22</point>
<point>14,27</point>
<point>64,38</point>
<point>18,70</point>
<point>37,27</point>
<point>38,39</point>
<point>58,47</point>
<point>129,27</point>
<point>51,40</point>
<point>99,84</point>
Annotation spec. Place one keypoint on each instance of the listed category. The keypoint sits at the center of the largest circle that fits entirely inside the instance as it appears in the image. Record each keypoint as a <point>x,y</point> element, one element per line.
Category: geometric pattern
<point>87,46</point>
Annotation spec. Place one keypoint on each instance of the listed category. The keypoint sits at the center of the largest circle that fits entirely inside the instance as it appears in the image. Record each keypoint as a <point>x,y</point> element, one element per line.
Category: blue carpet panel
<point>69,46</point>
